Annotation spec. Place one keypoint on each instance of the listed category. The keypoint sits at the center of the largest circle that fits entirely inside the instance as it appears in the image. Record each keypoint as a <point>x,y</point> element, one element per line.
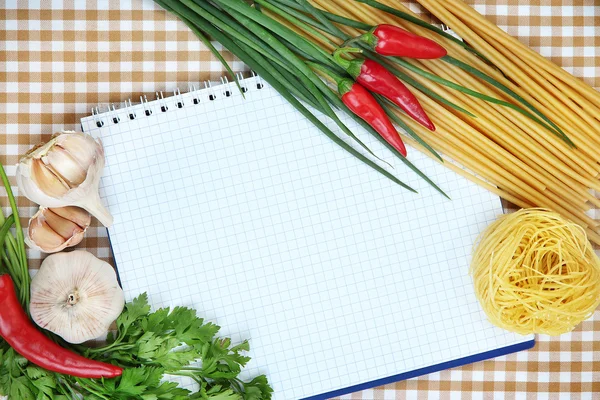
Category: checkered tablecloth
<point>58,59</point>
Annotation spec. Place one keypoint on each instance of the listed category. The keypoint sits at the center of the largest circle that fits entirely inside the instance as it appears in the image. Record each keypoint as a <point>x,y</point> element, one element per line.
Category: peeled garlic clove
<point>65,172</point>
<point>54,229</point>
<point>76,296</point>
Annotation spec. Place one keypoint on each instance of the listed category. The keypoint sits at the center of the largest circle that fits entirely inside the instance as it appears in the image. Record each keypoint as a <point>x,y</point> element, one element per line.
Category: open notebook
<point>340,279</point>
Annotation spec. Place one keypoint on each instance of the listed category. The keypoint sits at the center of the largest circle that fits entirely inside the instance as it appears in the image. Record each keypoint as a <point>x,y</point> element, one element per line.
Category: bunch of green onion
<point>13,258</point>
<point>288,61</point>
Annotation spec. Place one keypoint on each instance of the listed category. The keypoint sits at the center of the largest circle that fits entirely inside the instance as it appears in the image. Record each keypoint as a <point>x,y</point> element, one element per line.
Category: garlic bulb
<point>76,296</point>
<point>65,172</point>
<point>53,229</point>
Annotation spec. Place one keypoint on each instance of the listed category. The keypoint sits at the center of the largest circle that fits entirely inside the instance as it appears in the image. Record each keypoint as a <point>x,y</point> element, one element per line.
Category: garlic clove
<point>76,296</point>
<point>47,181</point>
<point>54,229</point>
<point>74,214</point>
<point>44,236</point>
<point>79,148</point>
<point>60,225</point>
<point>65,166</point>
<point>40,185</point>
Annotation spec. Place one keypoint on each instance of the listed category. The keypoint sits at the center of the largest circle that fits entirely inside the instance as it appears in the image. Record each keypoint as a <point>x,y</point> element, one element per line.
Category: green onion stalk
<point>13,258</point>
<point>282,41</point>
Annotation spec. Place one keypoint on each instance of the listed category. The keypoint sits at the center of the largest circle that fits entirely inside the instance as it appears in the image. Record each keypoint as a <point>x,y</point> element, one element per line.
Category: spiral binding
<point>95,113</point>
<point>259,85</point>
<point>208,87</point>
<point>178,98</point>
<point>161,100</point>
<point>144,103</point>
<point>240,77</point>
<point>130,111</point>
<point>198,95</point>
<point>115,115</point>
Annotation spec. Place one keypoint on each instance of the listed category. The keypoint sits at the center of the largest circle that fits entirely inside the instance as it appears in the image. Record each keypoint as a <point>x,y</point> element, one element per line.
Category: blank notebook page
<point>245,211</point>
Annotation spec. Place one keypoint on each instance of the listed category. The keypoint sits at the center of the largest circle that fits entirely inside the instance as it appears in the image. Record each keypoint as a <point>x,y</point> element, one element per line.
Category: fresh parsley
<point>150,346</point>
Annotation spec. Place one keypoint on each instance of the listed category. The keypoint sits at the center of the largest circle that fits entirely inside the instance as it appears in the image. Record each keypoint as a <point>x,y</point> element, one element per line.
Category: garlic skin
<point>76,296</point>
<point>54,229</point>
<point>65,171</point>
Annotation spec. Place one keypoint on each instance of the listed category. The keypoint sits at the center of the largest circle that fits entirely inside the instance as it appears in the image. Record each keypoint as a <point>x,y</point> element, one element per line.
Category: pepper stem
<point>354,66</point>
<point>338,53</point>
<point>325,71</point>
<point>345,85</point>
<point>351,41</point>
<point>368,38</point>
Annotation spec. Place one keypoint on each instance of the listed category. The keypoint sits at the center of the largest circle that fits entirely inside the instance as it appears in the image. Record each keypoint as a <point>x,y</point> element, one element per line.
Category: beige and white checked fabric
<point>58,59</point>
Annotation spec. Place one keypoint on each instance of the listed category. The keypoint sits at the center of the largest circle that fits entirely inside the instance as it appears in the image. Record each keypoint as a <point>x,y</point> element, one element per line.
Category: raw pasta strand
<point>546,81</point>
<point>507,65</point>
<point>473,18</point>
<point>538,136</point>
<point>464,173</point>
<point>510,127</point>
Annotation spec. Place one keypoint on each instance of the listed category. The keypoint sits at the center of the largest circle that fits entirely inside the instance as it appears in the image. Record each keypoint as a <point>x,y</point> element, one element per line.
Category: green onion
<point>8,223</point>
<point>268,72</point>
<point>347,21</point>
<point>14,254</point>
<point>268,45</point>
<point>294,20</point>
<point>313,83</point>
<point>310,9</point>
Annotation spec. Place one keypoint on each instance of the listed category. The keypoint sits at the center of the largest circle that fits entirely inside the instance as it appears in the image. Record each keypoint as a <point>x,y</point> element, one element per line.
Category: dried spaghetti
<point>502,150</point>
<point>536,272</point>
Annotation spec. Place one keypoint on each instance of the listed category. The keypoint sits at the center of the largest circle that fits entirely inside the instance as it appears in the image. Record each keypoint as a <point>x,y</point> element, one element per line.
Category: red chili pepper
<point>362,103</point>
<point>20,333</point>
<point>378,79</point>
<point>390,40</point>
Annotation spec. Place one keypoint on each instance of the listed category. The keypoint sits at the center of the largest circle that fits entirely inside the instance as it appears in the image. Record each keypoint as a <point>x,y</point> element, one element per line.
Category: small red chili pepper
<point>378,79</point>
<point>363,104</point>
<point>20,333</point>
<point>390,40</point>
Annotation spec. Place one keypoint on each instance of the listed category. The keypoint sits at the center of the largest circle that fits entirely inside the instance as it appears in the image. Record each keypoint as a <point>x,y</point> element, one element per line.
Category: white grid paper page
<point>245,211</point>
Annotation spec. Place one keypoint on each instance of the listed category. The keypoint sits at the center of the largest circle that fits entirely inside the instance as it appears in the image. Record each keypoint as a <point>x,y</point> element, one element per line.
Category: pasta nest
<point>536,272</point>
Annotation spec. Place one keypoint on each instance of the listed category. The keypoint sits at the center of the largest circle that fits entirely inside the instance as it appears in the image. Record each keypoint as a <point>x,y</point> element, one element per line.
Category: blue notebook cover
<point>426,370</point>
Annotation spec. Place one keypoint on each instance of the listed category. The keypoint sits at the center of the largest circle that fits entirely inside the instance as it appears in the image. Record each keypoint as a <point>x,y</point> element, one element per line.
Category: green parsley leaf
<point>35,372</point>
<point>46,386</point>
<point>19,389</point>
<point>227,394</point>
<point>258,389</point>
<point>134,310</point>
